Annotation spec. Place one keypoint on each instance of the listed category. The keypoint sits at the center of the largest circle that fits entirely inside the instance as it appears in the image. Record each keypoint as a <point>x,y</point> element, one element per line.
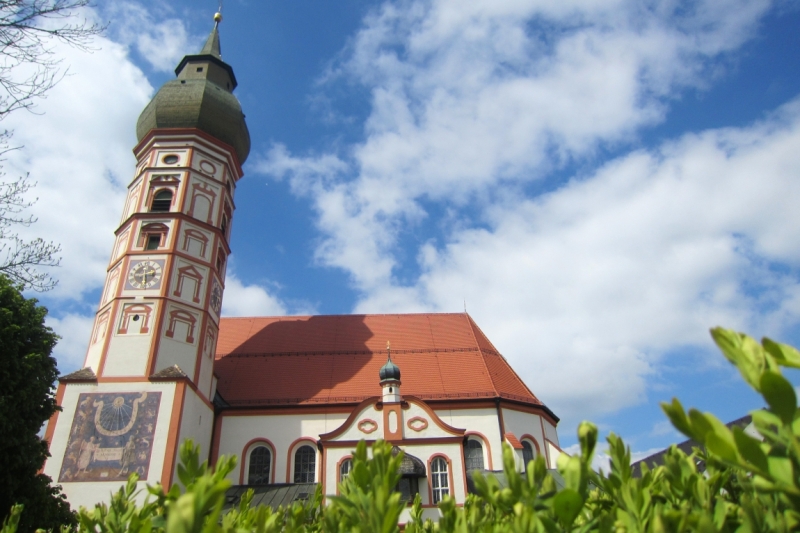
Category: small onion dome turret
<point>200,97</point>
<point>389,371</point>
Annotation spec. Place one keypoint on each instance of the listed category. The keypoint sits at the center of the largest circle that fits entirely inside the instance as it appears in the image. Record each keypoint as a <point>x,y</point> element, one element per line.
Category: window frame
<point>244,469</point>
<point>347,459</point>
<point>534,448</point>
<point>268,463</point>
<point>467,459</point>
<point>435,495</point>
<point>291,455</point>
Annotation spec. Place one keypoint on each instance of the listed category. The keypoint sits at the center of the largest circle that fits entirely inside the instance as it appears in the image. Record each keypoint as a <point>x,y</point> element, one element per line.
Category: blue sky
<point>599,182</point>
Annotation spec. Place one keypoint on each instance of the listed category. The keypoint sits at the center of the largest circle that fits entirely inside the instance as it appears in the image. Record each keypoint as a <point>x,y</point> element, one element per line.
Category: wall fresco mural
<point>111,436</point>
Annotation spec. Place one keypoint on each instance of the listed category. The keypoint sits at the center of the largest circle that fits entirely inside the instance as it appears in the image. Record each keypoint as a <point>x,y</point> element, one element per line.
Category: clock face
<point>216,298</point>
<point>145,274</point>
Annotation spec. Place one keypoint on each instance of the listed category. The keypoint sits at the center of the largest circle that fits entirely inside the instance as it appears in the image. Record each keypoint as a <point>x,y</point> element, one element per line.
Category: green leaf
<point>750,449</point>
<point>677,416</point>
<point>587,435</point>
<point>780,395</point>
<point>721,447</point>
<point>784,354</point>
<point>731,344</point>
<point>701,426</point>
<point>566,505</point>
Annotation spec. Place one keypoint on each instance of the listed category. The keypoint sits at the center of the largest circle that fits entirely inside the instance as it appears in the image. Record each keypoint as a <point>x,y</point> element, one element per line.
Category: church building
<point>290,396</point>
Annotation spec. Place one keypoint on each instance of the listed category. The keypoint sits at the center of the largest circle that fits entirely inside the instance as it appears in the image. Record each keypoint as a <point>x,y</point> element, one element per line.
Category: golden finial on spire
<point>218,14</point>
<point>389,349</point>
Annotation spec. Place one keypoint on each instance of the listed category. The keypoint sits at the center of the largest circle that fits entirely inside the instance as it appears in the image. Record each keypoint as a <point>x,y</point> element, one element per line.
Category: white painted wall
<point>281,430</point>
<point>482,421</point>
<point>127,354</point>
<point>197,423</point>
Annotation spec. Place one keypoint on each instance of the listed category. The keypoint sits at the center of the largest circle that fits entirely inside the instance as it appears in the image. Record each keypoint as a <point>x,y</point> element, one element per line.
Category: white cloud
<point>249,300</point>
<point>161,43</point>
<point>74,330</point>
<point>77,147</point>
<point>592,283</point>
<point>585,288</point>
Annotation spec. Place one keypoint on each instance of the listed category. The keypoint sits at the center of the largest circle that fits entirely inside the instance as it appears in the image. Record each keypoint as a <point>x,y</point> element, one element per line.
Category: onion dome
<point>389,371</point>
<point>200,97</point>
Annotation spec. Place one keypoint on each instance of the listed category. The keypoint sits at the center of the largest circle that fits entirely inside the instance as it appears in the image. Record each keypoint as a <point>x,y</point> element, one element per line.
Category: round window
<point>170,159</point>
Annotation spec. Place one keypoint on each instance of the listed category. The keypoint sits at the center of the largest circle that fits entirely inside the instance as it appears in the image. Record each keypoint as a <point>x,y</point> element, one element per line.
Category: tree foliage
<point>750,485</point>
<point>27,375</point>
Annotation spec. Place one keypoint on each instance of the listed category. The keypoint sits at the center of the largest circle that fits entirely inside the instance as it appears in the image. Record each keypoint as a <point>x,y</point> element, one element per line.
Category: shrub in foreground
<point>750,484</point>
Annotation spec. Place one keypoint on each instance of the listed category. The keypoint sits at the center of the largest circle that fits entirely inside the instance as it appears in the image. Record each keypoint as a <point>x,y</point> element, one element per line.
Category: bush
<point>750,485</point>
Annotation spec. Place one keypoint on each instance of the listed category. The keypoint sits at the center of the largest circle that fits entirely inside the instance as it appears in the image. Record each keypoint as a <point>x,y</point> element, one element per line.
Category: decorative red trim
<point>388,410</point>
<point>171,452</point>
<point>367,422</point>
<point>529,437</point>
<point>544,438</point>
<point>433,416</point>
<point>161,313</point>
<point>292,448</point>
<point>345,425</point>
<point>114,309</point>
<point>245,458</point>
<point>173,215</point>
<point>323,467</point>
<point>399,442</point>
<point>556,446</point>
<point>179,134</point>
<point>214,452</point>
<point>413,426</point>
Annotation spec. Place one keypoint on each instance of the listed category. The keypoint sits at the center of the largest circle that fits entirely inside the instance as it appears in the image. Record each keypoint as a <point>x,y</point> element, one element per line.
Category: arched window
<point>473,454</point>
<point>440,481</point>
<point>224,225</point>
<point>260,464</point>
<point>527,453</point>
<point>305,464</point>
<point>162,201</point>
<point>345,468</point>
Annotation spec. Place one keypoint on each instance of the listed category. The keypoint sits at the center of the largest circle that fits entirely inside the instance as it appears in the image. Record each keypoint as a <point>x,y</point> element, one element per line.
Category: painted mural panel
<point>111,436</point>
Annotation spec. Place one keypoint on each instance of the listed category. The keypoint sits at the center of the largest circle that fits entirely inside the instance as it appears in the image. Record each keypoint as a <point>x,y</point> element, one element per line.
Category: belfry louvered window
<point>162,201</point>
<point>305,464</point>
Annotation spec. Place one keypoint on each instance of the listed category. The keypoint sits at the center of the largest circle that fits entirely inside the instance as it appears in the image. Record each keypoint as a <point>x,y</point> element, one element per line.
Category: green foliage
<point>27,375</point>
<point>751,484</point>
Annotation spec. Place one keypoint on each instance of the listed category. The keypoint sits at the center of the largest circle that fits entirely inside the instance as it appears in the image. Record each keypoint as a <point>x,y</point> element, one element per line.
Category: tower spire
<point>212,46</point>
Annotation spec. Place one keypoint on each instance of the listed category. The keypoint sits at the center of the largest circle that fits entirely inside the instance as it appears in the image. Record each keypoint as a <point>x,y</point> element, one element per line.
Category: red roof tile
<point>513,441</point>
<point>336,358</point>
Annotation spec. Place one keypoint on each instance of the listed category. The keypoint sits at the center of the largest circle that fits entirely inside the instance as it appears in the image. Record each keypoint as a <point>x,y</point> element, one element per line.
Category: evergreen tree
<point>27,376</point>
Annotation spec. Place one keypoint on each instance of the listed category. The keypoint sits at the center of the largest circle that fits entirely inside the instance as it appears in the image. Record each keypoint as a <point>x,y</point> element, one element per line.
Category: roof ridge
<point>483,359</point>
<point>473,327</point>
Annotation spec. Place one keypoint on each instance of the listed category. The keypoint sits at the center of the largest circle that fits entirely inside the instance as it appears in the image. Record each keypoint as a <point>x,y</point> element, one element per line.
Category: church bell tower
<point>147,382</point>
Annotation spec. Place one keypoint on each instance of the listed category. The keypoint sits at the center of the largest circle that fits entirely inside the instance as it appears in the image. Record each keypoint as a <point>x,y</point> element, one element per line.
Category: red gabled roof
<point>336,358</point>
